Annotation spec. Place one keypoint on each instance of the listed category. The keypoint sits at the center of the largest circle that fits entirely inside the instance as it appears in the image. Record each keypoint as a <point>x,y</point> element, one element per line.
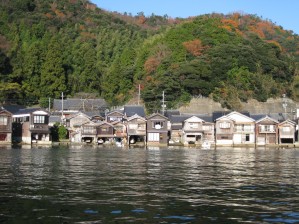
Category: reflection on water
<point>154,185</point>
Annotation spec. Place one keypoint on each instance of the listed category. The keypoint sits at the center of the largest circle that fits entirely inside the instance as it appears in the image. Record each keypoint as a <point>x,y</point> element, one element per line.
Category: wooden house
<point>208,127</point>
<point>89,132</point>
<point>105,133</point>
<point>114,116</point>
<point>74,124</point>
<point>286,132</point>
<point>266,130</point>
<point>136,128</point>
<point>235,129</point>
<point>196,131</point>
<point>31,126</point>
<point>5,126</point>
<point>120,132</point>
<point>157,130</point>
<point>176,129</point>
<point>192,130</point>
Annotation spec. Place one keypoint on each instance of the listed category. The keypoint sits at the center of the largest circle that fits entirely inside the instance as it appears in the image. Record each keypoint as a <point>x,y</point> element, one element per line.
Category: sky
<point>283,13</point>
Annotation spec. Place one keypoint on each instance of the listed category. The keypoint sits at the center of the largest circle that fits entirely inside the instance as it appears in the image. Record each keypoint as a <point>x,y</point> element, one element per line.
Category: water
<point>167,185</point>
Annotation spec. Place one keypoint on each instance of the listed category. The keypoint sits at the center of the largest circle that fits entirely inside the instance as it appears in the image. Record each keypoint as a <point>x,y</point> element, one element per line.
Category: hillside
<point>72,46</point>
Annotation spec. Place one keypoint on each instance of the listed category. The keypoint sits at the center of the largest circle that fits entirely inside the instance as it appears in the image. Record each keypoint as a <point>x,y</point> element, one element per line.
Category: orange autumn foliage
<point>194,47</point>
<point>151,64</point>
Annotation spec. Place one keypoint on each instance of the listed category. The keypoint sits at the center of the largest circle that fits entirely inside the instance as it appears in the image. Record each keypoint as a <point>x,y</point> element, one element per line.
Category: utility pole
<point>49,104</point>
<point>163,103</point>
<point>284,105</point>
<point>138,94</point>
<point>62,107</point>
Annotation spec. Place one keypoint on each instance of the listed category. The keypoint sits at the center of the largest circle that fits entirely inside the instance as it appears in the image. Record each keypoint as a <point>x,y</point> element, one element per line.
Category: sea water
<point>91,184</point>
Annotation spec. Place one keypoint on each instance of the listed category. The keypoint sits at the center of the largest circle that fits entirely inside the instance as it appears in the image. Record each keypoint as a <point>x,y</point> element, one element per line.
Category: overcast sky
<point>284,13</point>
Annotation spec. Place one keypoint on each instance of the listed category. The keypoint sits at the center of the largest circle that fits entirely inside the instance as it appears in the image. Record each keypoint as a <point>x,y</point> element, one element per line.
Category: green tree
<point>53,80</point>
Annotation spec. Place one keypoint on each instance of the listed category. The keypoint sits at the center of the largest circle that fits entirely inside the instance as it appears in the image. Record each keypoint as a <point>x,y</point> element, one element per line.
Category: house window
<point>140,126</point>
<point>133,126</point>
<point>267,128</point>
<point>206,128</point>
<point>104,129</point>
<point>158,124</point>
<point>3,120</point>
<point>224,125</point>
<point>286,129</point>
<point>153,137</point>
<point>38,119</point>
<point>247,138</point>
<point>193,125</point>
<point>88,129</point>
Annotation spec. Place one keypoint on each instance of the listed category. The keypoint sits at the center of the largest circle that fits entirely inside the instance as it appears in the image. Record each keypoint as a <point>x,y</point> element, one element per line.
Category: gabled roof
<point>13,108</point>
<point>136,116</point>
<point>217,114</point>
<point>28,111</point>
<point>155,115</point>
<point>90,123</point>
<point>79,114</point>
<point>115,112</point>
<point>289,122</point>
<point>267,118</point>
<point>79,104</point>
<point>129,111</point>
<point>2,110</point>
<point>105,123</point>
<point>194,118</point>
<point>236,116</point>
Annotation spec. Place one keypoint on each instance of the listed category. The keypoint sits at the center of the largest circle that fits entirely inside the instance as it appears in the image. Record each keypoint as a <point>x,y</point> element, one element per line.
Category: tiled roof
<point>26,111</point>
<point>13,108</point>
<point>129,111</point>
<point>79,104</point>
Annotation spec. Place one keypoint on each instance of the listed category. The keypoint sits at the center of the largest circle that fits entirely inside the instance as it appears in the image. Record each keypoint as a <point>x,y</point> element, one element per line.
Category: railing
<point>262,130</point>
<point>39,127</point>
<point>241,129</point>
<point>5,128</point>
<point>89,132</point>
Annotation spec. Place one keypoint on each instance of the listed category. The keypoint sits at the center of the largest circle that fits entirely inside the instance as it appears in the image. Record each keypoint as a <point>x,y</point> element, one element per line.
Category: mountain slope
<point>72,46</point>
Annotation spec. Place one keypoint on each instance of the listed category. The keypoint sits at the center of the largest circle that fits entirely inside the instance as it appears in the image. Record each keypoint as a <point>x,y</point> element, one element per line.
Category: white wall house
<point>235,129</point>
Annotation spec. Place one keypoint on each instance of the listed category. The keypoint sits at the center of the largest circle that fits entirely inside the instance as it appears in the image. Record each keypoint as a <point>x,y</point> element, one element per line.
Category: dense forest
<point>72,46</point>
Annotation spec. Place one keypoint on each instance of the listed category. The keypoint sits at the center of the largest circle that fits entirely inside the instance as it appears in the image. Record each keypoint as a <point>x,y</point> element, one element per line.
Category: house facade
<point>31,126</point>
<point>89,132</point>
<point>266,130</point>
<point>5,126</point>
<point>286,132</point>
<point>74,125</point>
<point>157,130</point>
<point>235,129</point>
<point>136,129</point>
<point>105,133</point>
<point>114,116</point>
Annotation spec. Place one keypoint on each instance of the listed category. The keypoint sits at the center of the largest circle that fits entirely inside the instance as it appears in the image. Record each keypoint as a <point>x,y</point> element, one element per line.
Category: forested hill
<point>71,46</point>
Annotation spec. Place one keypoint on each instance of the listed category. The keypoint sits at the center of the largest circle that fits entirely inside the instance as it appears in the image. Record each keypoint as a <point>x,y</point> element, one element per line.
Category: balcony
<point>5,128</point>
<point>40,128</point>
<point>89,132</point>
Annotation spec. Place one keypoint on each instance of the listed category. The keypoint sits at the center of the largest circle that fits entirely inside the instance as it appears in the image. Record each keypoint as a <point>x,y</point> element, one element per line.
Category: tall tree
<point>53,80</point>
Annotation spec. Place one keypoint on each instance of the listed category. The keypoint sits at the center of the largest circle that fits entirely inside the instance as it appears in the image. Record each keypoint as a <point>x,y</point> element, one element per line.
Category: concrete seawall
<point>208,106</point>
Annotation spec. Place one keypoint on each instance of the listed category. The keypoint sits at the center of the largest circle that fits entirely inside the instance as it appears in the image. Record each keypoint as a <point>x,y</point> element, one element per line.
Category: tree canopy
<point>72,46</point>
